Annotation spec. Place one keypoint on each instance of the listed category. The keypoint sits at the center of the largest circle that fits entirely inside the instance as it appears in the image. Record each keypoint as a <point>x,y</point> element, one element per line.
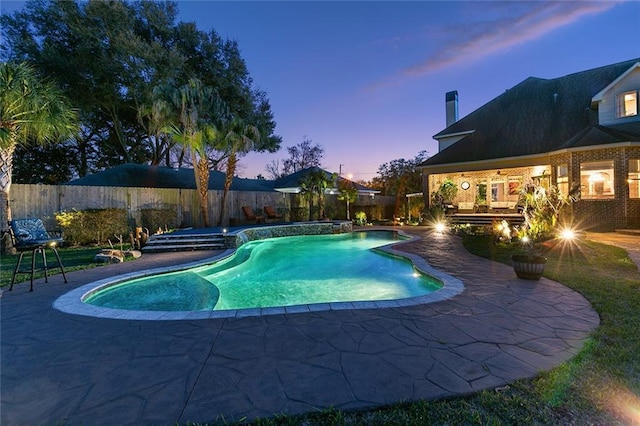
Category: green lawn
<point>73,259</point>
<point>600,386</point>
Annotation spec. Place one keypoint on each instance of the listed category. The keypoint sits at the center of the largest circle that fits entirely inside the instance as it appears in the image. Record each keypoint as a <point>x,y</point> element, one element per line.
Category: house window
<point>497,191</point>
<point>634,179</point>
<point>563,178</point>
<point>515,185</point>
<point>627,104</point>
<point>596,180</point>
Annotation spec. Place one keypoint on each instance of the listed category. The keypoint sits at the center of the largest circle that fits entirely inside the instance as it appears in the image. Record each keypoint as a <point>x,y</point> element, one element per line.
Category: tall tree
<point>239,138</point>
<point>313,185</point>
<point>274,169</point>
<point>48,164</point>
<point>348,193</point>
<point>400,177</point>
<point>198,106</point>
<point>31,110</point>
<point>302,156</point>
<point>108,57</point>
<point>156,116</point>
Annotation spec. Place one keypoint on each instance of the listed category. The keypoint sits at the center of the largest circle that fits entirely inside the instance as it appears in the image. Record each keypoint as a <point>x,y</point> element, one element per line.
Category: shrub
<point>542,208</point>
<point>445,194</point>
<point>299,214</point>
<point>93,226</point>
<point>163,217</point>
<point>361,218</point>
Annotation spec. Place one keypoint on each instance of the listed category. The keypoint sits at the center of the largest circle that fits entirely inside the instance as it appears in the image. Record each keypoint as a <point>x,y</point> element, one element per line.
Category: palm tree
<point>155,116</point>
<point>31,110</point>
<point>348,193</point>
<point>314,183</point>
<point>197,107</point>
<point>239,138</point>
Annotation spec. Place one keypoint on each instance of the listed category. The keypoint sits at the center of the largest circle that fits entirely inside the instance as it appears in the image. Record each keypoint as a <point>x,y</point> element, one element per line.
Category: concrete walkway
<point>58,367</point>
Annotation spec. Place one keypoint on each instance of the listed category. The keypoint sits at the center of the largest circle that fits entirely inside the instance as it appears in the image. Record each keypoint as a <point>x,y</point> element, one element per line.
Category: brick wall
<point>604,214</point>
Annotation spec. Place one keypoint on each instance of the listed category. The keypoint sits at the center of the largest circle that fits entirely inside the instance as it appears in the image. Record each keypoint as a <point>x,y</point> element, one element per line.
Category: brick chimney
<point>452,107</point>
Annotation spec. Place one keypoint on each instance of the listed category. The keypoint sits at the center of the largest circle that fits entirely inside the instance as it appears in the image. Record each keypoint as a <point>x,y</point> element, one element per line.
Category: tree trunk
<point>321,204</point>
<point>231,169</point>
<point>203,190</point>
<point>6,166</point>
<point>201,172</point>
<point>399,196</point>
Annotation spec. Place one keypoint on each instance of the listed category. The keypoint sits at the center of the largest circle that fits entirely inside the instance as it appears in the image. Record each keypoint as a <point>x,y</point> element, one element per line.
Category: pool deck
<point>63,368</point>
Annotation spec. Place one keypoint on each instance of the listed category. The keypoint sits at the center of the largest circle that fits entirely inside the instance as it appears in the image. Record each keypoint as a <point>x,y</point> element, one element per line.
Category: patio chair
<point>250,216</point>
<point>31,235</point>
<point>271,213</point>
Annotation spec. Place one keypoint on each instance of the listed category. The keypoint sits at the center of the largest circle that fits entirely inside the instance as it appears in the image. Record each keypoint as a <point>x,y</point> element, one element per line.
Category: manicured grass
<point>600,386</point>
<point>72,258</point>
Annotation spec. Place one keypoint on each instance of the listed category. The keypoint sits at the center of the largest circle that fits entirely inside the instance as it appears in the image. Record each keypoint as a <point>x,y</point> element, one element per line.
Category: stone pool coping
<point>72,301</point>
<point>72,369</point>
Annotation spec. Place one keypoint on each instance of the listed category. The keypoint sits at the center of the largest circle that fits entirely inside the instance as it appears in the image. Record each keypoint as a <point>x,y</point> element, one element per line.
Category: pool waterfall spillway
<point>74,301</point>
<point>199,239</point>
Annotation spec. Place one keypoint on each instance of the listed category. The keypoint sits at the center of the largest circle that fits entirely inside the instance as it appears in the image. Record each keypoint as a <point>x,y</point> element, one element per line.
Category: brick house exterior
<point>581,129</point>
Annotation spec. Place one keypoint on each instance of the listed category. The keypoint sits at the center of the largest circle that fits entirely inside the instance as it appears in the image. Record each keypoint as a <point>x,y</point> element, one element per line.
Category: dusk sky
<point>367,80</point>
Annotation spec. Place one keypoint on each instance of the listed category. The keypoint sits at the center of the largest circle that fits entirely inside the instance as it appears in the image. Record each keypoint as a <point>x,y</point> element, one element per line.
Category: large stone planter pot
<point>528,267</point>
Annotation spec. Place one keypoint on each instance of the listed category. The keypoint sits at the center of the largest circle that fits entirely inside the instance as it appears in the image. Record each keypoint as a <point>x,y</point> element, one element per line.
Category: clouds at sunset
<point>497,28</point>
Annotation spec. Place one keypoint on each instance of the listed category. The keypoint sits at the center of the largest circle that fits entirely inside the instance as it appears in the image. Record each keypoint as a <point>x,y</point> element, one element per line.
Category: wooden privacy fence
<point>44,201</point>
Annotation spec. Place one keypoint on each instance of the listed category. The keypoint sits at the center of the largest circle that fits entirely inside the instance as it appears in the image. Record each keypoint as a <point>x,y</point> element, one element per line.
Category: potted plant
<point>541,209</point>
<point>445,194</point>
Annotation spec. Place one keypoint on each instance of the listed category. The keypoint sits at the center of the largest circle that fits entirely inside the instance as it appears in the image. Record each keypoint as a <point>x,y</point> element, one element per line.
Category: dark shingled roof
<point>537,116</point>
<point>295,180</point>
<point>141,175</point>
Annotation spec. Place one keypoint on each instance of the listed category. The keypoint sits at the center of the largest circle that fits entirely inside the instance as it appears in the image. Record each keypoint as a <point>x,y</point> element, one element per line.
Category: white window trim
<point>620,104</point>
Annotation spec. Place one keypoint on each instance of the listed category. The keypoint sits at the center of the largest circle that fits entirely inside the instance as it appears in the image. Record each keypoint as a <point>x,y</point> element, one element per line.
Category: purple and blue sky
<point>367,80</point>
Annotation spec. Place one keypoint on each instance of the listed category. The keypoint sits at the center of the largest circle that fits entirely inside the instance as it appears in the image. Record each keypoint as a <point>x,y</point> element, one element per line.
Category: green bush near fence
<point>165,218</point>
<point>299,214</point>
<point>93,226</point>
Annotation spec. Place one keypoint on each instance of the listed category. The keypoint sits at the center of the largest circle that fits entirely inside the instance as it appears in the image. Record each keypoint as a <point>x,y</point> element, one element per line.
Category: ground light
<point>504,230</point>
<point>440,227</point>
<point>567,234</point>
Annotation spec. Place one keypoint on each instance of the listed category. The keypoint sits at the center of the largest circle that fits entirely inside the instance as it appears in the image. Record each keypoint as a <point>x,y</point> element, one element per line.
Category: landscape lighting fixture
<point>440,227</point>
<point>567,234</point>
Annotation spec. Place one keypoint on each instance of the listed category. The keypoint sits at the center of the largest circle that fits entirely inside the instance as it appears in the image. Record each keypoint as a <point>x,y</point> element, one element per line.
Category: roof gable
<point>534,117</point>
<point>600,95</point>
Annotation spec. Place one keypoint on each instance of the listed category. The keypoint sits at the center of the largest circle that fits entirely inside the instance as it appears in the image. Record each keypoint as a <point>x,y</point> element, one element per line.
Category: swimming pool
<point>279,272</point>
<point>213,299</point>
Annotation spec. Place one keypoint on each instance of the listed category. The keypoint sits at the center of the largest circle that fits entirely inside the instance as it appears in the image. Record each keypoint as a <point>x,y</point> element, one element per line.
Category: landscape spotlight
<point>567,234</point>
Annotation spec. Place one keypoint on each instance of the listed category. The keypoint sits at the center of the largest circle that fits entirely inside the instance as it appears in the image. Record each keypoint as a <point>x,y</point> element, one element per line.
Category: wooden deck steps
<point>186,242</point>
<point>480,219</point>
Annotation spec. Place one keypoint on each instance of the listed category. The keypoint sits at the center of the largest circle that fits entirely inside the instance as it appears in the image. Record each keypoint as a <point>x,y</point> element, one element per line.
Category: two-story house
<point>583,128</point>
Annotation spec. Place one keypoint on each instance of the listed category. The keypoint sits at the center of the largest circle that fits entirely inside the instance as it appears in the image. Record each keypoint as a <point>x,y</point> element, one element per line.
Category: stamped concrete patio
<point>58,367</point>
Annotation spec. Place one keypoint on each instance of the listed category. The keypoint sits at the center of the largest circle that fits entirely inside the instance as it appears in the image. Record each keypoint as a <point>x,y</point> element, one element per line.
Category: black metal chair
<point>31,235</point>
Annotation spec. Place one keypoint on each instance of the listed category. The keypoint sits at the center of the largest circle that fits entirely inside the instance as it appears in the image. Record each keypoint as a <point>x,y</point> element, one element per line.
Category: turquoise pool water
<point>282,271</point>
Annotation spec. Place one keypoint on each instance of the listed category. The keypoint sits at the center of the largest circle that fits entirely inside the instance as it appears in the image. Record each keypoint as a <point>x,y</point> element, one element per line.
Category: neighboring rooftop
<point>145,176</point>
<point>293,182</point>
<point>142,175</point>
